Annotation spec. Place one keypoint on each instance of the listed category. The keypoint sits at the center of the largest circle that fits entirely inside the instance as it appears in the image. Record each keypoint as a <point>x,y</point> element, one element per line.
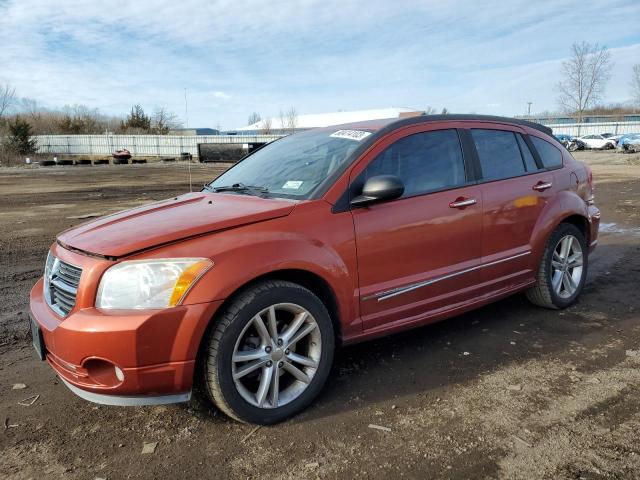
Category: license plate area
<point>38,341</point>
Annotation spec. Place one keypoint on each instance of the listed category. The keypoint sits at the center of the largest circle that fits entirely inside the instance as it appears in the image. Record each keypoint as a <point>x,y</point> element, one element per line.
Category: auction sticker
<point>293,184</point>
<point>356,135</point>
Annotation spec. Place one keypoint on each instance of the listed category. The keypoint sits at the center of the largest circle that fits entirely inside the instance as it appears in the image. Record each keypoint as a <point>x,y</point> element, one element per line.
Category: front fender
<point>310,239</point>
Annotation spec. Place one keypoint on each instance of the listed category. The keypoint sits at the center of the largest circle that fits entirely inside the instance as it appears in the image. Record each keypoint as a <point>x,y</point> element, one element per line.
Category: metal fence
<point>174,145</point>
<point>141,145</point>
<point>580,129</point>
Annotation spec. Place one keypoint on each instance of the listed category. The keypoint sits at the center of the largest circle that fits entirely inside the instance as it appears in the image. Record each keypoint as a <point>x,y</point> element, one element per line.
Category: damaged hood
<point>167,221</point>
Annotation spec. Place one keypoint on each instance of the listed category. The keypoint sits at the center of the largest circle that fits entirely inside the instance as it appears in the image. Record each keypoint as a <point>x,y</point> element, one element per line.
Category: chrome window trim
<point>386,294</point>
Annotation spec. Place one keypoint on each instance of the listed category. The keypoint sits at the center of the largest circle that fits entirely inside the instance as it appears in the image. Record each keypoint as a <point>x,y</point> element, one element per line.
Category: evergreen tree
<point>137,120</point>
<point>19,139</point>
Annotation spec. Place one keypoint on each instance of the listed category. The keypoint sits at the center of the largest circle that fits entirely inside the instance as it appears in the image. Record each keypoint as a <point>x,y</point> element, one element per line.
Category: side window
<point>499,154</point>
<point>550,155</point>
<point>529,161</point>
<point>425,162</point>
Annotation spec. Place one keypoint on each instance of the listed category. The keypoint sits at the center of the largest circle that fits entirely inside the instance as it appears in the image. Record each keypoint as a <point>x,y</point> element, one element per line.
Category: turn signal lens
<point>187,279</point>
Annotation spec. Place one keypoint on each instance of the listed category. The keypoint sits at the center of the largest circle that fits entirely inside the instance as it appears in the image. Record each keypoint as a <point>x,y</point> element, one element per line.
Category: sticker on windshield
<point>293,184</point>
<point>356,135</point>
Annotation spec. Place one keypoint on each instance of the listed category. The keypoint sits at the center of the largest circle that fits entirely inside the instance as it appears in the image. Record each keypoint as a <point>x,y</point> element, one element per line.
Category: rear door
<point>515,189</point>
<point>416,254</point>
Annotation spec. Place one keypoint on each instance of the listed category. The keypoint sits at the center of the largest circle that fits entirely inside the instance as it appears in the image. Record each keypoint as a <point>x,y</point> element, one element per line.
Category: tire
<point>235,334</point>
<point>546,293</point>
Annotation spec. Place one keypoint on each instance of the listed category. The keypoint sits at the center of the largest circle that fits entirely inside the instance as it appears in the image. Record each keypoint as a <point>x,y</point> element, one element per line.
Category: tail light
<point>590,196</point>
<point>589,176</point>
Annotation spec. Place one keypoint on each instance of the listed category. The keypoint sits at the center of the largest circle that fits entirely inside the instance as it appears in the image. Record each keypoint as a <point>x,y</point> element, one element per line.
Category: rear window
<point>551,157</point>
<point>499,154</point>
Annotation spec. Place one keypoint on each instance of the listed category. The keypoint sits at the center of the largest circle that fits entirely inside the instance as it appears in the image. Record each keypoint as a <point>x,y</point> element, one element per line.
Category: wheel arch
<point>305,278</point>
<point>566,207</point>
<point>581,223</point>
<point>310,280</point>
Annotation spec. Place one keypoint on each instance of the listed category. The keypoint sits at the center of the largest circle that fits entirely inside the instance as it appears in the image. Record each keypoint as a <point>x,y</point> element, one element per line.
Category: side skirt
<point>435,316</point>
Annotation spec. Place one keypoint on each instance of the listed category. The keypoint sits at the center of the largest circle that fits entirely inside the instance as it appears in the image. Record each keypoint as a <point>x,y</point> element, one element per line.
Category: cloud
<point>317,56</point>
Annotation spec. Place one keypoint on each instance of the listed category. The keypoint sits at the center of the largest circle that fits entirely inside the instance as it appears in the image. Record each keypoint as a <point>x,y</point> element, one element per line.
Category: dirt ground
<point>508,391</point>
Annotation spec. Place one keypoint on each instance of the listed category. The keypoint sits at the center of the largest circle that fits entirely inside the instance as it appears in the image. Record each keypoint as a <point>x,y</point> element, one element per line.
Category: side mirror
<point>379,189</point>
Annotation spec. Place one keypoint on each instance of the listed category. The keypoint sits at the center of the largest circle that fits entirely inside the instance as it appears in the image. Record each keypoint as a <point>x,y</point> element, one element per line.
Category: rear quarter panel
<point>573,190</point>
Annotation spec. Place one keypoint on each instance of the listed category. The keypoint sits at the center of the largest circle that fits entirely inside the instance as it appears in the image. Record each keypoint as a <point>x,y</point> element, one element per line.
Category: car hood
<point>167,221</point>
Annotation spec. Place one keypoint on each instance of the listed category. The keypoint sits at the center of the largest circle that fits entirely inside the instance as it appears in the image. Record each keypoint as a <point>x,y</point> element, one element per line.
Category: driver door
<point>417,254</point>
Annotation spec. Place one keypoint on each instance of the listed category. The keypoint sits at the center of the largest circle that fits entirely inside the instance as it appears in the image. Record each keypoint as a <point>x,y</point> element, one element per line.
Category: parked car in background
<point>326,237</point>
<point>575,144</point>
<point>628,143</point>
<point>563,138</point>
<point>570,143</point>
<point>598,141</point>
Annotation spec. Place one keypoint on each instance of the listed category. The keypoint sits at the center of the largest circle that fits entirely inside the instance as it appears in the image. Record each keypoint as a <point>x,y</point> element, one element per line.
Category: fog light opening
<point>119,374</point>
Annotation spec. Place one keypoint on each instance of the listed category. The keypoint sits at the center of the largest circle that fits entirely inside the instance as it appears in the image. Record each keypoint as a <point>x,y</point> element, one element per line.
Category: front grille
<point>61,282</point>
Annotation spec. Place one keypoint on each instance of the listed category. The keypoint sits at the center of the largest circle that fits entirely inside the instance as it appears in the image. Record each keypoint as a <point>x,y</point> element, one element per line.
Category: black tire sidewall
<point>280,294</point>
<point>560,232</point>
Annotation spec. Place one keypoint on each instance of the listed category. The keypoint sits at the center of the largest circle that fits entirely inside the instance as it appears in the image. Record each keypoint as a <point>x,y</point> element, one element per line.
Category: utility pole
<point>186,110</point>
<point>529,109</point>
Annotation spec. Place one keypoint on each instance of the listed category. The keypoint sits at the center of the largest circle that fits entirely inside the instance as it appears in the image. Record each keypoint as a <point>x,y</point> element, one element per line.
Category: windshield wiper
<point>239,187</point>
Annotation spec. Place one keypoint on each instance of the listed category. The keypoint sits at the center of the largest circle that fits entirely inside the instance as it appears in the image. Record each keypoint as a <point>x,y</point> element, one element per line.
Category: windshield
<point>292,167</point>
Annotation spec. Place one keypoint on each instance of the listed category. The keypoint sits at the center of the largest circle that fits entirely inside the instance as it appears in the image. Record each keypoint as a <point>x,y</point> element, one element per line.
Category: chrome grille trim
<point>61,285</point>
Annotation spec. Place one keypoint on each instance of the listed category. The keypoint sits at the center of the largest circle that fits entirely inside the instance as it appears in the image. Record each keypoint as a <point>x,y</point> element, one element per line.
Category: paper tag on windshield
<point>356,135</point>
<point>294,184</point>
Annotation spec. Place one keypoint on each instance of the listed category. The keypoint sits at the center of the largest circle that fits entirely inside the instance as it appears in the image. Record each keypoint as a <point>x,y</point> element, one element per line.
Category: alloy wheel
<point>276,355</point>
<point>567,266</point>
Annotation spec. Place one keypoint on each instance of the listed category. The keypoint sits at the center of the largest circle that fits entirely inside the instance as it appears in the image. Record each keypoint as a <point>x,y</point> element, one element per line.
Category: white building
<point>335,118</point>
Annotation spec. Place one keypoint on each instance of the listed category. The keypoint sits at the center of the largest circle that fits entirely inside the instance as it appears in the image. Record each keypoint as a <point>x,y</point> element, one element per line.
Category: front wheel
<point>563,269</point>
<point>269,353</point>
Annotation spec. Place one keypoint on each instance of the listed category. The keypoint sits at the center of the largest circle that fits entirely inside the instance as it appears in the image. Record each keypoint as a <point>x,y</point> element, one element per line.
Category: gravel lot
<point>508,391</point>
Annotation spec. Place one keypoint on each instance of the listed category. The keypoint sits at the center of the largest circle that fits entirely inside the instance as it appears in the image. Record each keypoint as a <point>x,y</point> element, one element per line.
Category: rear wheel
<point>269,353</point>
<point>563,269</point>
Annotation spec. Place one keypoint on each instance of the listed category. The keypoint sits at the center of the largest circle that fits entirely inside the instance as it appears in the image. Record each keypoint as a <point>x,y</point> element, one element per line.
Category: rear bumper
<point>124,357</point>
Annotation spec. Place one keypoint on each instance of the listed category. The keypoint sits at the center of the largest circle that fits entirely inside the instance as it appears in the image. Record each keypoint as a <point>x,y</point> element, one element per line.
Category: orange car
<point>322,238</point>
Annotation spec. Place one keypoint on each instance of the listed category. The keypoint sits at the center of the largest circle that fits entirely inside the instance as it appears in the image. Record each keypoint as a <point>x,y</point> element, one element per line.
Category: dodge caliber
<point>319,239</point>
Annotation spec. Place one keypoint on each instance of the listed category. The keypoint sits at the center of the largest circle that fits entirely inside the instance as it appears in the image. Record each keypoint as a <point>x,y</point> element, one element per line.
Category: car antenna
<point>190,183</point>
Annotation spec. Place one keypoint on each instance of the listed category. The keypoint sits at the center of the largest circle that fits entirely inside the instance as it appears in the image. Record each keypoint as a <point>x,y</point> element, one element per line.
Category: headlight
<point>141,284</point>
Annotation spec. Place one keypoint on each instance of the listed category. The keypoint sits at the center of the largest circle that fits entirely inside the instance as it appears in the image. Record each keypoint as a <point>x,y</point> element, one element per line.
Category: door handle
<point>462,202</point>
<point>542,186</point>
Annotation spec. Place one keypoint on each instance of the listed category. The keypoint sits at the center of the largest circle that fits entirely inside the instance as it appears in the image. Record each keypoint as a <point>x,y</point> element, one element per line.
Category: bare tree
<point>635,83</point>
<point>164,121</point>
<point>30,107</point>
<point>265,126</point>
<point>585,77</point>
<point>429,110</point>
<point>253,118</point>
<point>7,98</point>
<point>283,120</point>
<point>291,118</point>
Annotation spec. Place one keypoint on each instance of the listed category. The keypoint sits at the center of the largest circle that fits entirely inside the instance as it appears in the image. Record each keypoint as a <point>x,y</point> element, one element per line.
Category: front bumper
<point>126,357</point>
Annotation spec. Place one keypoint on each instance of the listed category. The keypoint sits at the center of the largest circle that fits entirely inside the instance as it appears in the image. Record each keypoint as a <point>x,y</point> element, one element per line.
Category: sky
<point>237,57</point>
